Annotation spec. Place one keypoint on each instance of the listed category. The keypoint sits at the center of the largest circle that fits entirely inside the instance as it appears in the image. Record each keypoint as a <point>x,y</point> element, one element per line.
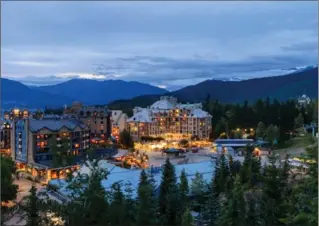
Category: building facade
<point>98,119</point>
<point>5,136</point>
<point>17,113</point>
<point>35,142</point>
<point>118,119</point>
<point>168,118</point>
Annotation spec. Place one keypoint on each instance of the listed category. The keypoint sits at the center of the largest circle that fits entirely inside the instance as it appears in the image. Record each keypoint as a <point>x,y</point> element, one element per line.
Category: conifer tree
<point>8,189</point>
<point>117,206</point>
<point>261,130</point>
<point>271,192</point>
<point>32,209</point>
<point>89,203</point>
<point>130,205</point>
<point>221,174</point>
<point>211,207</point>
<point>146,206</point>
<point>183,191</point>
<point>197,191</point>
<point>233,212</point>
<point>168,195</point>
<point>252,217</point>
<point>250,172</point>
<point>187,219</point>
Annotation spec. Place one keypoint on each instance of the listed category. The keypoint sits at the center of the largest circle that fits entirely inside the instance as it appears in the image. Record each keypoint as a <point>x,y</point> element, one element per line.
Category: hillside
<point>127,95</point>
<point>100,92</point>
<point>280,87</point>
<point>15,94</point>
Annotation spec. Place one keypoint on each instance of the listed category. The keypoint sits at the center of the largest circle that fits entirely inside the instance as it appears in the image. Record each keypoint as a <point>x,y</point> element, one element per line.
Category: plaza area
<point>157,158</point>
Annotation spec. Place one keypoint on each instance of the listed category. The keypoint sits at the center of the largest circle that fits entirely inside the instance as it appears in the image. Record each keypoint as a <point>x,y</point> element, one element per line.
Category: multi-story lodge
<point>33,142</point>
<point>168,117</point>
<point>98,119</point>
<point>118,119</point>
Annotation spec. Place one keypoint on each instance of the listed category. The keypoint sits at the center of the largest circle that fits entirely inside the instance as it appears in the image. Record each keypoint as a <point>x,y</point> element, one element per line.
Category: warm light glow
<point>16,111</point>
<point>238,129</point>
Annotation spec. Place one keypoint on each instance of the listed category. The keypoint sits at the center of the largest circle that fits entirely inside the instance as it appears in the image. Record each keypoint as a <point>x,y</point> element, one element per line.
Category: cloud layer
<point>168,44</point>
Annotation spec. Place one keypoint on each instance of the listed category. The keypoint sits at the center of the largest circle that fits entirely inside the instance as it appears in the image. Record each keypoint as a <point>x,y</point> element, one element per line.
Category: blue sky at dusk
<point>167,44</point>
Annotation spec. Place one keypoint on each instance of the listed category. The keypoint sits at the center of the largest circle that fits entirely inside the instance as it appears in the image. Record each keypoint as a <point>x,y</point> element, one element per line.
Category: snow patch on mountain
<point>262,73</point>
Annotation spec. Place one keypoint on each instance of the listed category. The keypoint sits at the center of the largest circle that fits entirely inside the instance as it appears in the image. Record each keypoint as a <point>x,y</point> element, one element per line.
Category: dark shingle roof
<point>55,124</point>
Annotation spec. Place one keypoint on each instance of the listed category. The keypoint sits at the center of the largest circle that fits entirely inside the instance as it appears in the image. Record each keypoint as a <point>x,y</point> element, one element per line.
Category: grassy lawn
<point>295,146</point>
<point>298,142</point>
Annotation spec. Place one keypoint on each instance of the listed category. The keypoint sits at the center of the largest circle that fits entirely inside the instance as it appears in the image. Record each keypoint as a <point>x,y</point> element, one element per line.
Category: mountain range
<point>90,92</point>
<point>121,94</point>
<point>283,87</point>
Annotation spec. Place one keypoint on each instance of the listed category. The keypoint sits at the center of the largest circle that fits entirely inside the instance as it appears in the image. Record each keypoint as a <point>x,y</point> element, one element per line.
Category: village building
<point>169,119</point>
<point>34,141</point>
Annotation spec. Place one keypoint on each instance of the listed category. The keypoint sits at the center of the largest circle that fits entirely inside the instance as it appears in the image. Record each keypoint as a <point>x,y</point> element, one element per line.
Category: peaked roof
<point>55,124</point>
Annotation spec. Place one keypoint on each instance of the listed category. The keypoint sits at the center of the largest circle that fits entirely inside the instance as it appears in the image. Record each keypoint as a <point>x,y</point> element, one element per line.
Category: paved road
<point>24,188</point>
<point>23,191</point>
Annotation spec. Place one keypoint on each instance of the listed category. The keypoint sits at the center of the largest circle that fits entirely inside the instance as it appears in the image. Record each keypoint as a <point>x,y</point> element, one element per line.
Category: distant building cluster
<point>168,117</point>
<point>34,139</point>
<point>303,101</point>
<point>30,137</point>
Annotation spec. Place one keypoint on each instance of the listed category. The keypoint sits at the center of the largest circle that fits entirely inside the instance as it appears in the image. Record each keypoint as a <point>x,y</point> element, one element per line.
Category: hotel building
<point>98,119</point>
<point>169,119</point>
<point>118,119</point>
<point>33,142</point>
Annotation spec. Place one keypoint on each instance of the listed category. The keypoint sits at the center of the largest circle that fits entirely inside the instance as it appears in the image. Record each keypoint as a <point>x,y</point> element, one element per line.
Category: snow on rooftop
<point>199,113</point>
<point>164,104</point>
<point>141,116</point>
<point>124,176</point>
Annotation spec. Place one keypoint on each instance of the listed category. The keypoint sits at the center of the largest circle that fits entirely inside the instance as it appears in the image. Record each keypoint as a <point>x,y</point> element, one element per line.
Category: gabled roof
<point>55,124</point>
